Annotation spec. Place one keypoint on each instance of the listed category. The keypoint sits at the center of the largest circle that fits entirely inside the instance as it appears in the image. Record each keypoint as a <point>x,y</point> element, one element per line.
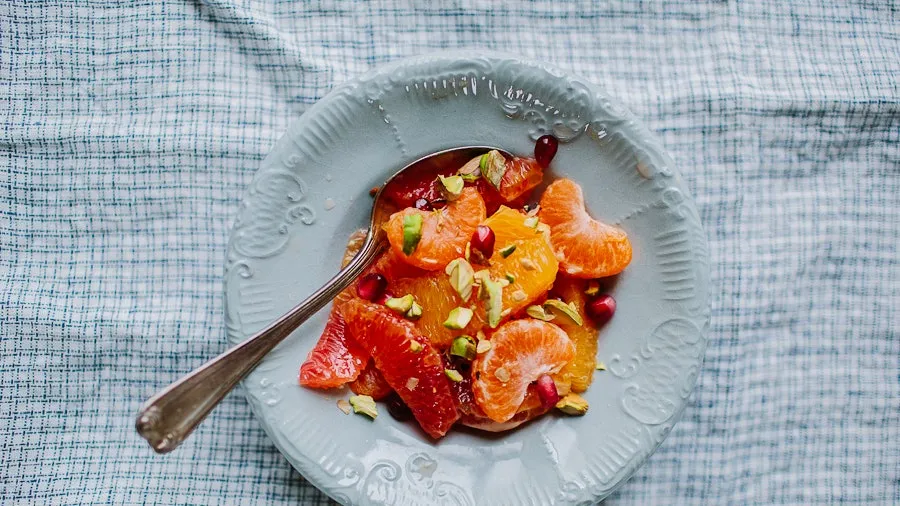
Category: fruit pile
<point>483,311</point>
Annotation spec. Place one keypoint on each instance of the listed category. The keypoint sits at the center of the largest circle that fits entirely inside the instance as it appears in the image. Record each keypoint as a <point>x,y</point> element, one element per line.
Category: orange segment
<point>437,298</point>
<point>533,263</point>
<point>580,371</point>
<point>585,247</point>
<point>370,382</point>
<point>388,339</point>
<point>444,232</point>
<point>522,351</point>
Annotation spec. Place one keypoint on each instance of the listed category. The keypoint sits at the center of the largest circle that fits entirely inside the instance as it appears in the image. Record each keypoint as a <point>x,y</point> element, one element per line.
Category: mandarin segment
<point>437,298</point>
<point>585,247</point>
<point>521,352</point>
<point>444,233</point>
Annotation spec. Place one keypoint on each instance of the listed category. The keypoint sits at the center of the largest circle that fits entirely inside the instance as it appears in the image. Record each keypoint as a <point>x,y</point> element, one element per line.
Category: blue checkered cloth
<point>128,131</point>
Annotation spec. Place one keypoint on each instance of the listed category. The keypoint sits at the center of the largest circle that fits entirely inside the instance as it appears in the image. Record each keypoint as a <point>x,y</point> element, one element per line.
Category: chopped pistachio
<point>493,166</point>
<point>531,222</point>
<point>539,312</point>
<point>364,405</point>
<point>415,311</point>
<point>484,345</point>
<point>502,374</point>
<point>415,346</point>
<point>451,187</point>
<point>533,210</point>
<point>593,288</point>
<point>480,335</point>
<point>462,277</point>
<point>510,278</point>
<point>471,171</point>
<point>468,250</point>
<point>463,347</point>
<point>344,406</point>
<point>454,375</point>
<point>412,232</point>
<point>601,366</point>
<point>482,274</point>
<point>504,282</point>
<point>412,383</point>
<point>507,251</point>
<point>572,404</point>
<point>493,301</point>
<point>400,304</point>
<point>506,312</point>
<point>458,318</point>
<point>519,296</point>
<point>527,264</point>
<point>560,308</point>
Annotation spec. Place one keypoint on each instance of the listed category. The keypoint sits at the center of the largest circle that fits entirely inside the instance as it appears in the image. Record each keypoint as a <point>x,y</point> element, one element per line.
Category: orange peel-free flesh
<point>585,247</point>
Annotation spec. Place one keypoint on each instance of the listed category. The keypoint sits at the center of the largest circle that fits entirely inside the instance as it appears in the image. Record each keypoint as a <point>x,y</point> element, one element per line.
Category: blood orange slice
<point>414,371</point>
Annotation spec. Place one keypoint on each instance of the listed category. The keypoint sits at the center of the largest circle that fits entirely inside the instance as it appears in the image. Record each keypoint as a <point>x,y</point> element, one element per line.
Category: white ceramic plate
<point>312,191</point>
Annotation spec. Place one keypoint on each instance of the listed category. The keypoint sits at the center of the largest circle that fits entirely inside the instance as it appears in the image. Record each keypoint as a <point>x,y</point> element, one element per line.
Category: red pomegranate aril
<point>483,240</point>
<point>601,309</point>
<point>422,204</point>
<point>545,149</point>
<point>546,389</point>
<point>371,287</point>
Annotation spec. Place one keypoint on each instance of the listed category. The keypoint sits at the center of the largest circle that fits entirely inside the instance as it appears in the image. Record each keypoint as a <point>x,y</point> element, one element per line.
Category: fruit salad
<point>485,310</point>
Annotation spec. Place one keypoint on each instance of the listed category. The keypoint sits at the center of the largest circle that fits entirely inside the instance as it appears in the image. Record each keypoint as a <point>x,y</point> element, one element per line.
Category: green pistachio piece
<point>453,375</point>
<point>451,186</point>
<point>601,366</point>
<point>415,346</point>
<point>510,278</point>
<point>493,166</point>
<point>412,232</point>
<point>462,277</point>
<point>364,405</point>
<point>463,347</point>
<point>415,311</point>
<point>572,404</point>
<point>539,312</point>
<point>507,251</point>
<point>400,304</point>
<point>593,288</point>
<point>560,308</point>
<point>458,318</point>
<point>484,345</point>
<point>531,222</point>
<point>492,293</point>
<point>471,171</point>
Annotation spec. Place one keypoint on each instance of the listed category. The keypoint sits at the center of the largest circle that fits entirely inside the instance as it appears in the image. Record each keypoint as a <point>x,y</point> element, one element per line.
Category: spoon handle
<point>167,418</point>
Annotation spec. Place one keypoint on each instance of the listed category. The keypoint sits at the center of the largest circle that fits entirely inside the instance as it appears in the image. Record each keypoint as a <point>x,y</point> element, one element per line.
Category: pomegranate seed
<point>546,389</point>
<point>601,309</point>
<point>483,240</point>
<point>398,409</point>
<point>423,205</point>
<point>371,287</point>
<point>545,149</point>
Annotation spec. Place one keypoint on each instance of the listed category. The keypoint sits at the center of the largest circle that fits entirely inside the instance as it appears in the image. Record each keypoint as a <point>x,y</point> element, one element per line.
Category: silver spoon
<point>168,417</point>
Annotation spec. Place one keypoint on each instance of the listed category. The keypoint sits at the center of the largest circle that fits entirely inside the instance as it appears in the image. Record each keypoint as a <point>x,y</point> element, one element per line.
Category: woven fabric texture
<point>128,131</point>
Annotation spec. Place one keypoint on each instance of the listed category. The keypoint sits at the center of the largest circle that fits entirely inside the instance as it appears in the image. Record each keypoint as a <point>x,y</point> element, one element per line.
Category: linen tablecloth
<point>128,131</point>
